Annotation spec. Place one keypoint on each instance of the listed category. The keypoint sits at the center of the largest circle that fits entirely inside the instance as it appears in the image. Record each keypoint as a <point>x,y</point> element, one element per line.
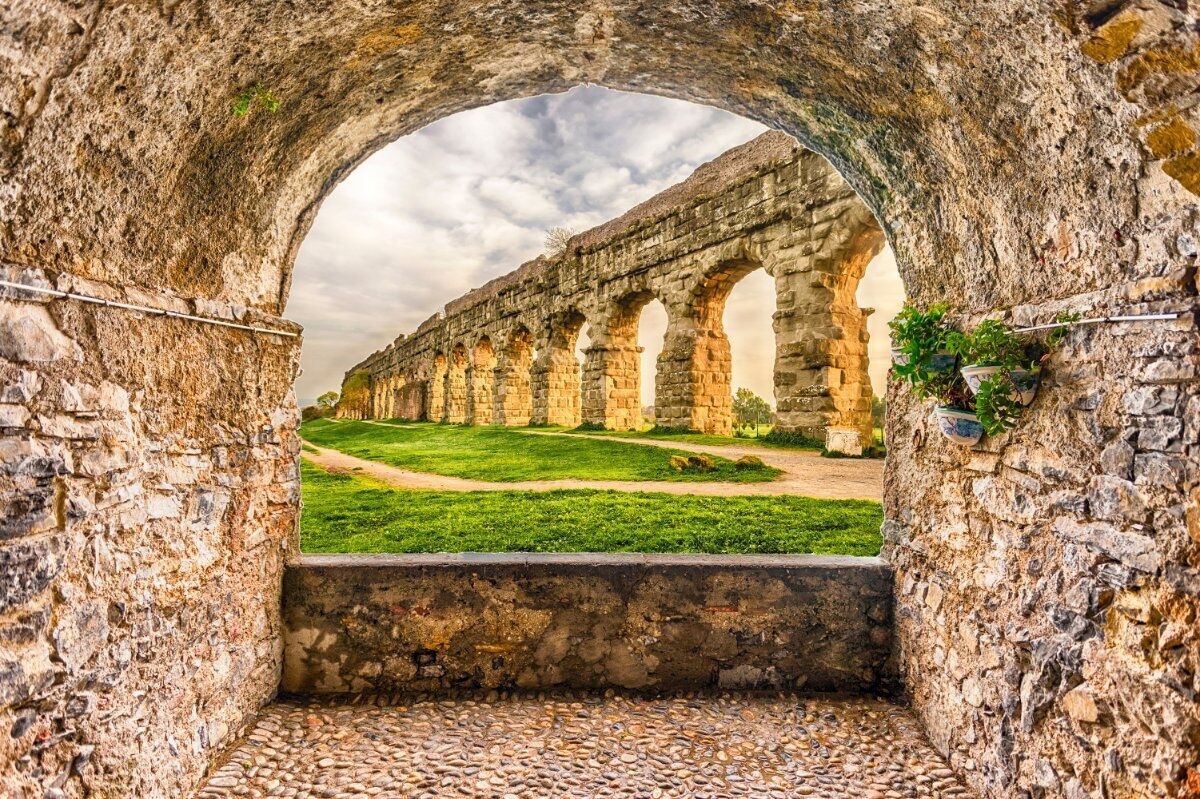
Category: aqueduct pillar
<point>513,387</point>
<point>556,377</point>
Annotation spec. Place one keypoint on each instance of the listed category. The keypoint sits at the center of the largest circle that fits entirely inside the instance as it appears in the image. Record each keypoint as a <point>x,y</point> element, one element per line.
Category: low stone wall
<point>645,622</point>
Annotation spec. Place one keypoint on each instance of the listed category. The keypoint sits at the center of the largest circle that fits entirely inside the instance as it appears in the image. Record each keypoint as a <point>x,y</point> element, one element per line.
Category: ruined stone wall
<point>397,623</point>
<point>147,487</point>
<point>766,204</point>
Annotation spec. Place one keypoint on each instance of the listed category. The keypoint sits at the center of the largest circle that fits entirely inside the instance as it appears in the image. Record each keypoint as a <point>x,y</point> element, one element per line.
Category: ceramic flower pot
<point>961,427</point>
<point>1027,384</point>
<point>1025,381</point>
<point>941,361</point>
<point>975,375</point>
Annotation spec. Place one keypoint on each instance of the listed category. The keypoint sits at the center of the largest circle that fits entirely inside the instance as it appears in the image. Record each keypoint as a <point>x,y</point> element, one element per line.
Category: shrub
<point>590,427</point>
<point>669,430</point>
<point>791,438</point>
<point>749,462</point>
<point>678,462</point>
<point>701,463</point>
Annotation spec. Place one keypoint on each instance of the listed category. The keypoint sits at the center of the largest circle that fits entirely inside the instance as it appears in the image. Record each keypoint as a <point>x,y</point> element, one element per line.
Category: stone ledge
<point>387,623</point>
<point>596,559</point>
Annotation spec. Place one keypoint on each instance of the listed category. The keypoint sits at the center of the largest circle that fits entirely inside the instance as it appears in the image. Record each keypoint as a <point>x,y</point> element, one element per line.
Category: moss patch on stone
<point>1112,40</point>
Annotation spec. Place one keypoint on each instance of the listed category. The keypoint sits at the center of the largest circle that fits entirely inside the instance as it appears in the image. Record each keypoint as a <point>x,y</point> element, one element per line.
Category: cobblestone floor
<point>586,745</point>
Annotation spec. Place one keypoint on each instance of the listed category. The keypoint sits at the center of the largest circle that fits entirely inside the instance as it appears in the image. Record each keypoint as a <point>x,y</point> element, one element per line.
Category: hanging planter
<point>999,378</point>
<point>1025,382</point>
<point>960,426</point>
<point>921,353</point>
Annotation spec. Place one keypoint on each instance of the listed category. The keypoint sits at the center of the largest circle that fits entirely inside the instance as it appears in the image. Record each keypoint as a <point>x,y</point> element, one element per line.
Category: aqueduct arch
<point>1024,157</point>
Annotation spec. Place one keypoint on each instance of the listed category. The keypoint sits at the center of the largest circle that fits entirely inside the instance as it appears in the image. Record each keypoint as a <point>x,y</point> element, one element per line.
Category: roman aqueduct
<point>768,204</point>
<point>1023,157</point>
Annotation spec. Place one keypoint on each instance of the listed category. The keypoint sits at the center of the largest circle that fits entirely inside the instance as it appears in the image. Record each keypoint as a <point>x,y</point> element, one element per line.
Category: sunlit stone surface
<point>586,745</point>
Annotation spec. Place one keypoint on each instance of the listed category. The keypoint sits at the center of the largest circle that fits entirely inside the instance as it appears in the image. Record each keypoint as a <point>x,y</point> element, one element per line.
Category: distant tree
<point>878,415</point>
<point>750,409</point>
<point>556,241</point>
<point>327,401</point>
<point>310,412</point>
<point>355,401</point>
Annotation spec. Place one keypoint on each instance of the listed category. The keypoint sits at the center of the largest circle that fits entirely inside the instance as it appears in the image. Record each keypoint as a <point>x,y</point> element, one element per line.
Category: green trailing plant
<point>996,403</point>
<point>918,337</point>
<point>1055,337</point>
<point>991,343</point>
<point>256,96</point>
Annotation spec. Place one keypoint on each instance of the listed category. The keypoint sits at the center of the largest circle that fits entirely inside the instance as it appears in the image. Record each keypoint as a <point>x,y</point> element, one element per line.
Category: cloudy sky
<point>470,197</point>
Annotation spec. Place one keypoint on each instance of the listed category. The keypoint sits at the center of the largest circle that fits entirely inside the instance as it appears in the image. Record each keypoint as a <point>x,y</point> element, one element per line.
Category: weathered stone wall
<point>766,204</point>
<point>647,622</point>
<point>147,483</point>
<point>1018,153</point>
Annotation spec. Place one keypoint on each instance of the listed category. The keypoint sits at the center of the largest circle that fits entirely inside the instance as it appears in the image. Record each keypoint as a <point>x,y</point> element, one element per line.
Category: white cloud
<point>469,198</point>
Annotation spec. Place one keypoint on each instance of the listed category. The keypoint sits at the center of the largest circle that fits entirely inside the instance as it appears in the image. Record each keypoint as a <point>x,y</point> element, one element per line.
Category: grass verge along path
<point>348,513</point>
<point>499,454</point>
<point>683,437</point>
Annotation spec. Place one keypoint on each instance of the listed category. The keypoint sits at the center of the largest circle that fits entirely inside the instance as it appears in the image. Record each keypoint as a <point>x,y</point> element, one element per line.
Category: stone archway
<point>612,374</point>
<point>1023,158</point>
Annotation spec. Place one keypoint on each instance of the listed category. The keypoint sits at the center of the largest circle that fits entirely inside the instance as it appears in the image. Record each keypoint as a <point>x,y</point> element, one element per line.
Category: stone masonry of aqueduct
<point>505,353</point>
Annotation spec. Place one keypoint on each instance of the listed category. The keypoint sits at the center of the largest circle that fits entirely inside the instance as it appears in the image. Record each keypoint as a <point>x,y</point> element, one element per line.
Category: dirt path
<point>805,473</point>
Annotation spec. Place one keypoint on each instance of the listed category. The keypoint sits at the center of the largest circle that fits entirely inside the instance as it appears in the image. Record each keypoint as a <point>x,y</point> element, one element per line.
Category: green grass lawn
<point>506,455</point>
<point>350,513</point>
<point>684,437</point>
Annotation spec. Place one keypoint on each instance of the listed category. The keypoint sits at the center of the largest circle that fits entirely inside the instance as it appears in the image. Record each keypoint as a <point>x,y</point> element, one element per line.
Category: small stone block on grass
<point>844,441</point>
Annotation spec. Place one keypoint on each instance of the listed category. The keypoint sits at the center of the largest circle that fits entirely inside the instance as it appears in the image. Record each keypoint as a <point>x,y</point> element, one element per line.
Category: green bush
<point>791,438</point>
<point>748,462</point>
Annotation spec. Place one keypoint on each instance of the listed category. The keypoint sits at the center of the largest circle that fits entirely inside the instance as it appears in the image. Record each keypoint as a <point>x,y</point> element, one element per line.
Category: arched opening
<point>481,383</point>
<point>881,295</point>
<point>695,368</point>
<point>614,392</point>
<point>651,338</point>
<point>749,325</point>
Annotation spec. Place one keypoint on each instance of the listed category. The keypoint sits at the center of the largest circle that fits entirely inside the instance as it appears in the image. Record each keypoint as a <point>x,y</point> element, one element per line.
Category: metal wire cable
<point>208,320</point>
